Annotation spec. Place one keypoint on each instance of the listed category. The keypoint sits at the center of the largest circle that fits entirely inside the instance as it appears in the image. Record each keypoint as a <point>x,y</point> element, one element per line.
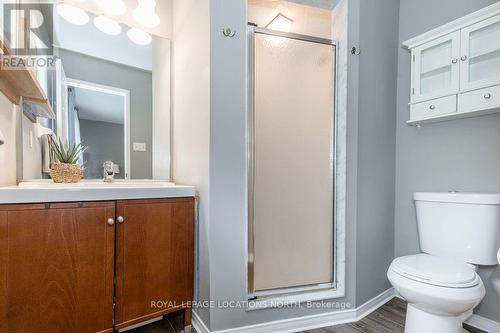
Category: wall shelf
<point>22,84</point>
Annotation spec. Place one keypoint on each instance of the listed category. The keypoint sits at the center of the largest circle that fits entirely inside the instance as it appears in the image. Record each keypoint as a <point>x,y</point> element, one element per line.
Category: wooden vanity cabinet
<point>56,267</point>
<point>154,259</point>
<point>94,266</point>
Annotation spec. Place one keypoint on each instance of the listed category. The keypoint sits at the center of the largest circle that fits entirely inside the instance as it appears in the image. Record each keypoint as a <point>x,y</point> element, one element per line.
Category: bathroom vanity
<point>83,265</point>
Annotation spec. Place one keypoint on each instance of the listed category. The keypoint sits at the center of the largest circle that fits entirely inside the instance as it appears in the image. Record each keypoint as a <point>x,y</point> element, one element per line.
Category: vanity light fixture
<point>113,7</point>
<point>72,14</point>
<point>281,23</point>
<point>139,37</point>
<point>107,25</point>
<point>145,14</point>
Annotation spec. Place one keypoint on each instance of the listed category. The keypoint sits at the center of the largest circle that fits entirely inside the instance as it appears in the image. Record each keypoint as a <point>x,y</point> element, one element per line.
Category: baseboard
<point>198,324</point>
<point>307,322</point>
<point>483,323</point>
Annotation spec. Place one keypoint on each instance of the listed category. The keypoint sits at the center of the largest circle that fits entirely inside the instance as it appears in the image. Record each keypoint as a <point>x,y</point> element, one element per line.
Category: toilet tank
<point>462,226</point>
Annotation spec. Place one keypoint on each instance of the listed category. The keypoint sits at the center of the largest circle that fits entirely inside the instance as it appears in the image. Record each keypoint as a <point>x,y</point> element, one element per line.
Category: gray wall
<point>460,154</point>
<point>138,82</point>
<point>376,146</point>
<point>104,142</point>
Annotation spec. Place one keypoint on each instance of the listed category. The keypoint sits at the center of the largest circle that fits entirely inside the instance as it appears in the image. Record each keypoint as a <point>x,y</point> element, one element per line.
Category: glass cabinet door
<point>480,56</point>
<point>436,68</point>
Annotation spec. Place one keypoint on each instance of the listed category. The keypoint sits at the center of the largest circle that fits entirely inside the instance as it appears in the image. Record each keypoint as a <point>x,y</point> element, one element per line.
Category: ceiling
<point>325,4</point>
<point>99,106</point>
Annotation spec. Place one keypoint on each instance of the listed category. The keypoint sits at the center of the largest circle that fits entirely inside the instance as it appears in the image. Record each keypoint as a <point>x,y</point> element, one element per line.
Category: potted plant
<point>65,168</point>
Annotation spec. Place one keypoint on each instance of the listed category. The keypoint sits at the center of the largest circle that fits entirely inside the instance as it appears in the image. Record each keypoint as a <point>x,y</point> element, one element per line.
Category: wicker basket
<point>66,173</point>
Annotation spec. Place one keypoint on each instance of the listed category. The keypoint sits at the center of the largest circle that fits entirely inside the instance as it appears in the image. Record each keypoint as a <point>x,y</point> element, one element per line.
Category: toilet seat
<point>436,271</point>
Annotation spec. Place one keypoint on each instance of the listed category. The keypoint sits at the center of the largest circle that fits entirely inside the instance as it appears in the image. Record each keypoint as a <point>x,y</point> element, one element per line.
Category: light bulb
<point>139,37</point>
<point>107,25</point>
<point>145,14</point>
<point>72,14</point>
<point>113,7</point>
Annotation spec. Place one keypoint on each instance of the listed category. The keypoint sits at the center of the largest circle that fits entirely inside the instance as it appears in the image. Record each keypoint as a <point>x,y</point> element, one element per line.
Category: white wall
<point>190,122</point>
<point>8,150</point>
<point>161,108</point>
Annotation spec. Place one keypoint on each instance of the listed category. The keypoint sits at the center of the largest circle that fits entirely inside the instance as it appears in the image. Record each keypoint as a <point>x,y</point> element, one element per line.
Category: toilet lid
<point>437,271</point>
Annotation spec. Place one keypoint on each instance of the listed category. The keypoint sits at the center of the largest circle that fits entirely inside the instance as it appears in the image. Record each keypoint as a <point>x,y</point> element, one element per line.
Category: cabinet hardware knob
<point>120,219</point>
<point>454,60</point>
<point>487,96</point>
<point>432,107</point>
<point>463,58</point>
<point>111,221</point>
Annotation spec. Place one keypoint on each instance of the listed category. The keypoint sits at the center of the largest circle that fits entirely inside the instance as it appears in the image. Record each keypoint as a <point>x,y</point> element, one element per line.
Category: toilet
<point>457,231</point>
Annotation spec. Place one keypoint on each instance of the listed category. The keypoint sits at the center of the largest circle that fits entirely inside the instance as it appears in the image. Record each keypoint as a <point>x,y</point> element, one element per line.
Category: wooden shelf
<point>22,82</point>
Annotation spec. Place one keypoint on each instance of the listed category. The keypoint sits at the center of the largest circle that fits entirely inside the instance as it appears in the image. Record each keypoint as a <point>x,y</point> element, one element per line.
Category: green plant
<point>65,153</point>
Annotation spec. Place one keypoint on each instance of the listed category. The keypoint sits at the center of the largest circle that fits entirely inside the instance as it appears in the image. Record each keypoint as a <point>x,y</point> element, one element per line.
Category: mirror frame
<point>126,119</point>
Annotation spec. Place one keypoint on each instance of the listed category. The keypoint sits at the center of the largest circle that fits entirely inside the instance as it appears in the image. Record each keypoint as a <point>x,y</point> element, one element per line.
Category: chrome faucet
<point>109,171</point>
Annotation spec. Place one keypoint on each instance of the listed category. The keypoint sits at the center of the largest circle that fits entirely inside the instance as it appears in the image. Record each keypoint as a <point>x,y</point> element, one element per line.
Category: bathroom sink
<point>32,191</point>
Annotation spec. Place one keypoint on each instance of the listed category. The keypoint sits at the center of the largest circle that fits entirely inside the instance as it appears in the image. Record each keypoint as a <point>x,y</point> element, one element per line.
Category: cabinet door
<point>154,259</point>
<point>56,268</point>
<point>480,55</point>
<point>436,69</point>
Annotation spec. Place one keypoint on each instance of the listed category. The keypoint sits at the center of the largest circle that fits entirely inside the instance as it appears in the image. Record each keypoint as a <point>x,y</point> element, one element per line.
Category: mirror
<point>105,90</point>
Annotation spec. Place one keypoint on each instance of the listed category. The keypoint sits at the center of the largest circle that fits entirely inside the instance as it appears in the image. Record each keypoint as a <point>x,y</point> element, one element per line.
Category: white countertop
<point>37,191</point>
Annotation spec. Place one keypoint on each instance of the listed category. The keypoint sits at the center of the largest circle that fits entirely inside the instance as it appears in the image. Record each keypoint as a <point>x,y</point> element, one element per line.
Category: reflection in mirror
<point>97,118</point>
<point>105,91</point>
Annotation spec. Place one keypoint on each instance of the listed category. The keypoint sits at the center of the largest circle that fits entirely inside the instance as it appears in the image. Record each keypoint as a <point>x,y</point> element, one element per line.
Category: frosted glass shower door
<point>293,142</point>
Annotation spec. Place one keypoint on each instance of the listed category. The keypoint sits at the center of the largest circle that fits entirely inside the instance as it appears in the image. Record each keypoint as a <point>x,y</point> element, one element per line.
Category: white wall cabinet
<point>436,68</point>
<point>480,51</point>
<point>456,69</point>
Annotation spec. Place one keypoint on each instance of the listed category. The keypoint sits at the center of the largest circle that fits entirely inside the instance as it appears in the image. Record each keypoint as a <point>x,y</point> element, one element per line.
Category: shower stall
<point>291,163</point>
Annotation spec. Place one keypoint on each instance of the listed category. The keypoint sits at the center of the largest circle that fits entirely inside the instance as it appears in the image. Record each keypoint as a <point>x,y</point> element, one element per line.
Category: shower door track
<point>305,38</point>
<point>252,293</point>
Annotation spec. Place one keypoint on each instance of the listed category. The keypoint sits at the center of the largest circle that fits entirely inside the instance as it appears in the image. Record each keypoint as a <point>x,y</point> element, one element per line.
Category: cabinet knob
<point>432,107</point>
<point>463,58</point>
<point>487,96</point>
<point>111,221</point>
<point>454,60</point>
<point>120,219</point>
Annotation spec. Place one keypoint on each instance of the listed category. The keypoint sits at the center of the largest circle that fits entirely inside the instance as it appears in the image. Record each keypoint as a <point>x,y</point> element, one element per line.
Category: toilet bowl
<point>456,231</point>
<point>440,293</point>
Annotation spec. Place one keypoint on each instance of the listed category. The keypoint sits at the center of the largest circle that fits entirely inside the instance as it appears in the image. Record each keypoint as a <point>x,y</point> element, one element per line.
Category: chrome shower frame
<point>252,30</point>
